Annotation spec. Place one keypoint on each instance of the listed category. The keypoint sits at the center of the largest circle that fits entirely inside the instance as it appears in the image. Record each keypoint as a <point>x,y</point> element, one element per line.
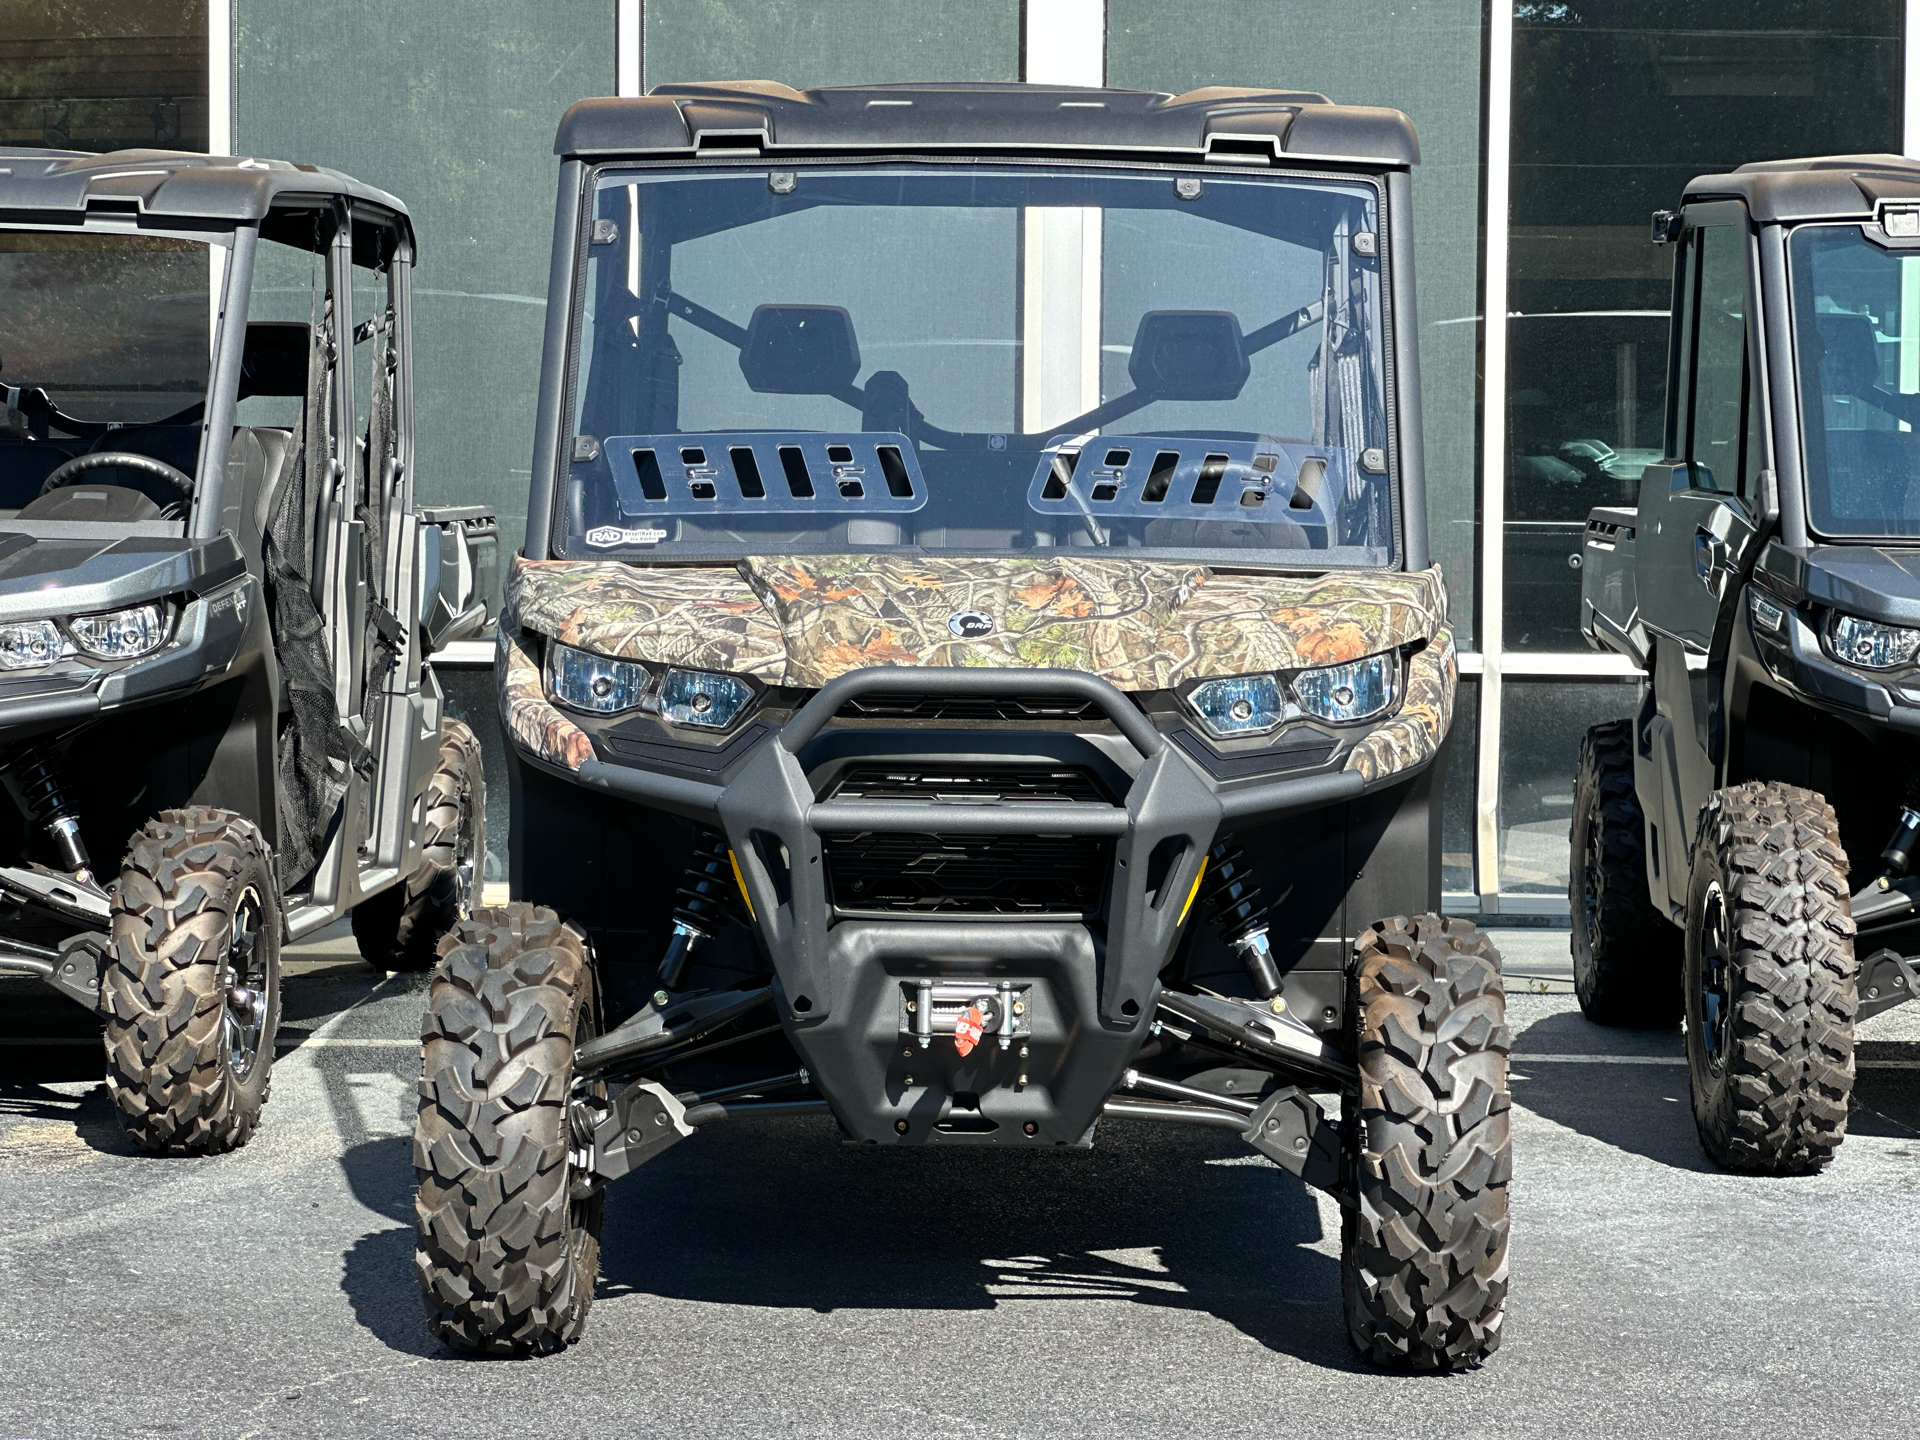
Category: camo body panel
<point>1140,624</point>
<point>705,617</point>
<point>1412,737</point>
<point>531,719</point>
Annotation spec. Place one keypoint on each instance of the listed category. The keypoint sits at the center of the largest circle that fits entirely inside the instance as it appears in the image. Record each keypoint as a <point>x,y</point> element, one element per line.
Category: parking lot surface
<point>762,1279</point>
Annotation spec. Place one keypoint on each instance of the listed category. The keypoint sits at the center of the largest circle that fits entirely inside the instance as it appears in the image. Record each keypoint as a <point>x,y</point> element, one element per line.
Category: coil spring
<point>708,894</point>
<point>1229,898</point>
<point>37,786</point>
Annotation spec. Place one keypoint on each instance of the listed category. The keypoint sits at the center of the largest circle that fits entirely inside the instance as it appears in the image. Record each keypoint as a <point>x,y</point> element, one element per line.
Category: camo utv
<point>975,671</point>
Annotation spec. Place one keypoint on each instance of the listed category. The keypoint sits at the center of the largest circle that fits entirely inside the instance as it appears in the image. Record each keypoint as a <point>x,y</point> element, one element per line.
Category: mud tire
<point>508,1255</point>
<point>1626,955</point>
<point>1772,1069</point>
<point>400,928</point>
<point>164,986</point>
<point>1423,1260</point>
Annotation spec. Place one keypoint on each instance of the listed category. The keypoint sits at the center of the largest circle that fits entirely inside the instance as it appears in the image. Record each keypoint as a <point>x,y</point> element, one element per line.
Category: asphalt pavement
<point>763,1279</point>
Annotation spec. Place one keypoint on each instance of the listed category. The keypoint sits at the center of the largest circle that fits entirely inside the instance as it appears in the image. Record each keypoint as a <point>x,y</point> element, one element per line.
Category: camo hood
<point>1141,624</point>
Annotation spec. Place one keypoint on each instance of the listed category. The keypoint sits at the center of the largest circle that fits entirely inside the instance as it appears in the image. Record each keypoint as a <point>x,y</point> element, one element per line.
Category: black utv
<point>1768,581</point>
<point>974,669</point>
<point>218,729</point>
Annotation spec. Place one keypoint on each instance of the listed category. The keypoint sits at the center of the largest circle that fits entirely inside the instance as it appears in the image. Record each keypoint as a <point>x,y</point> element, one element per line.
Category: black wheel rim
<point>1716,969</point>
<point>244,1016</point>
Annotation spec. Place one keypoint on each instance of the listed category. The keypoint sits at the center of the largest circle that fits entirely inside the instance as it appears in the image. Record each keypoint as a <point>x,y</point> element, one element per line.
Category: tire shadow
<point>786,1215</point>
<point>377,1276</point>
<point>1643,1109</point>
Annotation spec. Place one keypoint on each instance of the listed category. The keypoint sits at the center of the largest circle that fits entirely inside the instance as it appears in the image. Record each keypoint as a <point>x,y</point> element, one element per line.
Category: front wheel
<point>509,1236</point>
<point>190,997</point>
<point>1423,1260</point>
<point>1769,980</point>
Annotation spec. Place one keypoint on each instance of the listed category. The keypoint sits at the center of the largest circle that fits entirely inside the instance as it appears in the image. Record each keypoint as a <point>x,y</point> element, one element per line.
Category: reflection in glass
<point>1617,105</point>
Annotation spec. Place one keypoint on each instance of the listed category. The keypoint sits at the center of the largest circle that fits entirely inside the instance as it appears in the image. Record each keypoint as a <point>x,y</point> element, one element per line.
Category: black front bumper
<point>1089,991</point>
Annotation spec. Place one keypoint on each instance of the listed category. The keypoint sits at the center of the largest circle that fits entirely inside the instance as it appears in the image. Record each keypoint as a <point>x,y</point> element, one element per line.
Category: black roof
<point>170,184</point>
<point>1243,124</point>
<point>1824,187</point>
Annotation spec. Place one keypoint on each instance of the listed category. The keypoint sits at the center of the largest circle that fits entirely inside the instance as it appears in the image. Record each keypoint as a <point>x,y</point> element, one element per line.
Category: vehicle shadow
<point>1643,1109</point>
<point>786,1215</point>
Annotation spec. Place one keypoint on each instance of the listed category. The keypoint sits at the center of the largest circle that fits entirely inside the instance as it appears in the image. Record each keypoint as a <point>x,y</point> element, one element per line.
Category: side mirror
<point>1666,226</point>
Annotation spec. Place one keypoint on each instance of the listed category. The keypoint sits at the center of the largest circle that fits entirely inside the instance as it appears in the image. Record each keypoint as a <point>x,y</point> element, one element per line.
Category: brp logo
<point>970,624</point>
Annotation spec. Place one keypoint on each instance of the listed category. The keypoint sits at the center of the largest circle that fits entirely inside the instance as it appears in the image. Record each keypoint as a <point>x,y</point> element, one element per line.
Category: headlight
<point>1345,694</point>
<point>28,644</point>
<point>597,683</point>
<point>121,634</point>
<point>699,697</point>
<point>1238,705</point>
<point>1870,645</point>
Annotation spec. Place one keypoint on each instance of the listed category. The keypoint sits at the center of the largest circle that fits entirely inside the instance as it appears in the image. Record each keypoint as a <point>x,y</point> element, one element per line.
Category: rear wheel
<point>399,928</point>
<point>190,996</point>
<point>1769,980</point>
<point>1626,955</point>
<point>1424,1252</point>
<point>509,1234</point>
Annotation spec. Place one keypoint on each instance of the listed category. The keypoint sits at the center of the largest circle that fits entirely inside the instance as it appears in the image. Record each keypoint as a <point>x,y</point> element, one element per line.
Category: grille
<point>968,874</point>
<point>979,784</point>
<point>968,707</point>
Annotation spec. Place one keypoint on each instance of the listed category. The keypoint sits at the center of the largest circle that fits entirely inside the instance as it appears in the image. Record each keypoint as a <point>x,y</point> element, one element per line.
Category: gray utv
<point>218,729</point>
<point>1768,582</point>
<point>974,670</point>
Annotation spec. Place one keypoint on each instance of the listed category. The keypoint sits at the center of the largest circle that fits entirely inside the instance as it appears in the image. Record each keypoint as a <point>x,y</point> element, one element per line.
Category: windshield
<point>975,358</point>
<point>113,328</point>
<point>1856,309</point>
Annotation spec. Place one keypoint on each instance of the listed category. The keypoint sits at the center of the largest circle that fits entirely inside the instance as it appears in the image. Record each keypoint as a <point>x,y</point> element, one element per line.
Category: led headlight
<point>28,644</point>
<point>1871,645</point>
<point>1238,705</point>
<point>699,697</point>
<point>121,634</point>
<point>1345,694</point>
<point>597,683</point>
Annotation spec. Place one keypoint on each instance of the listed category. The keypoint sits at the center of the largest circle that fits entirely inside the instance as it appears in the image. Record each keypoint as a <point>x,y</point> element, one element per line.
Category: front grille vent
<point>1058,875</point>
<point>968,707</point>
<point>961,784</point>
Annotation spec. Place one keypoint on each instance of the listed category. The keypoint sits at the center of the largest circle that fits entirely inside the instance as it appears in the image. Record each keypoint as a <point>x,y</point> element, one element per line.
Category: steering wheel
<point>72,470</point>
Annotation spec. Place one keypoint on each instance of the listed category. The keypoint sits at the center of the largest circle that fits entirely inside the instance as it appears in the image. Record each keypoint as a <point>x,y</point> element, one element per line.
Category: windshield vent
<point>870,472</point>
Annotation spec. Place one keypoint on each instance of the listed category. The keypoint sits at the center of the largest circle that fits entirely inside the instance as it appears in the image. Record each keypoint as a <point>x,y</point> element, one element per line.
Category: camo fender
<point>535,725</point>
<point>1412,737</point>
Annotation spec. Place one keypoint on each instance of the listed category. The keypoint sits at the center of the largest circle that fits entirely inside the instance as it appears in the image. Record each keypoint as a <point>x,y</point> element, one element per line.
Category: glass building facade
<point>1549,130</point>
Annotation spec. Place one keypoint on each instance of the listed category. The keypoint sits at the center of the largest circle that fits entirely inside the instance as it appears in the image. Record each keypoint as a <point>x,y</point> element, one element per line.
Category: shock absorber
<point>36,787</point>
<point>703,903</point>
<point>1232,903</point>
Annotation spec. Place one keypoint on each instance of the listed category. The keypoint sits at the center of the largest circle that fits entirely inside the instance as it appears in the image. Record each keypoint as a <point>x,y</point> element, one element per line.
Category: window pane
<point>1456,815</point>
<point>104,74</point>
<point>1423,58</point>
<point>1542,724</point>
<point>1720,362</point>
<point>458,121</point>
<point>850,42</point>
<point>1617,104</point>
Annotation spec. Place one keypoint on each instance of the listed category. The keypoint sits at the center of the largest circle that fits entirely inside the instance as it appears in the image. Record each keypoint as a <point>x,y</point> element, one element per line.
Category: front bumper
<point>844,981</point>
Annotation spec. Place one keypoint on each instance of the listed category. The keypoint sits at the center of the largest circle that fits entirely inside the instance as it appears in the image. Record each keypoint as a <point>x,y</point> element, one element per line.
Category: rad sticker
<point>606,537</point>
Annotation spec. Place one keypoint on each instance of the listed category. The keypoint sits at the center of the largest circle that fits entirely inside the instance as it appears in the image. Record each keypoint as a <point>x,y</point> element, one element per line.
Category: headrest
<point>1189,355</point>
<point>275,360</point>
<point>799,350</point>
